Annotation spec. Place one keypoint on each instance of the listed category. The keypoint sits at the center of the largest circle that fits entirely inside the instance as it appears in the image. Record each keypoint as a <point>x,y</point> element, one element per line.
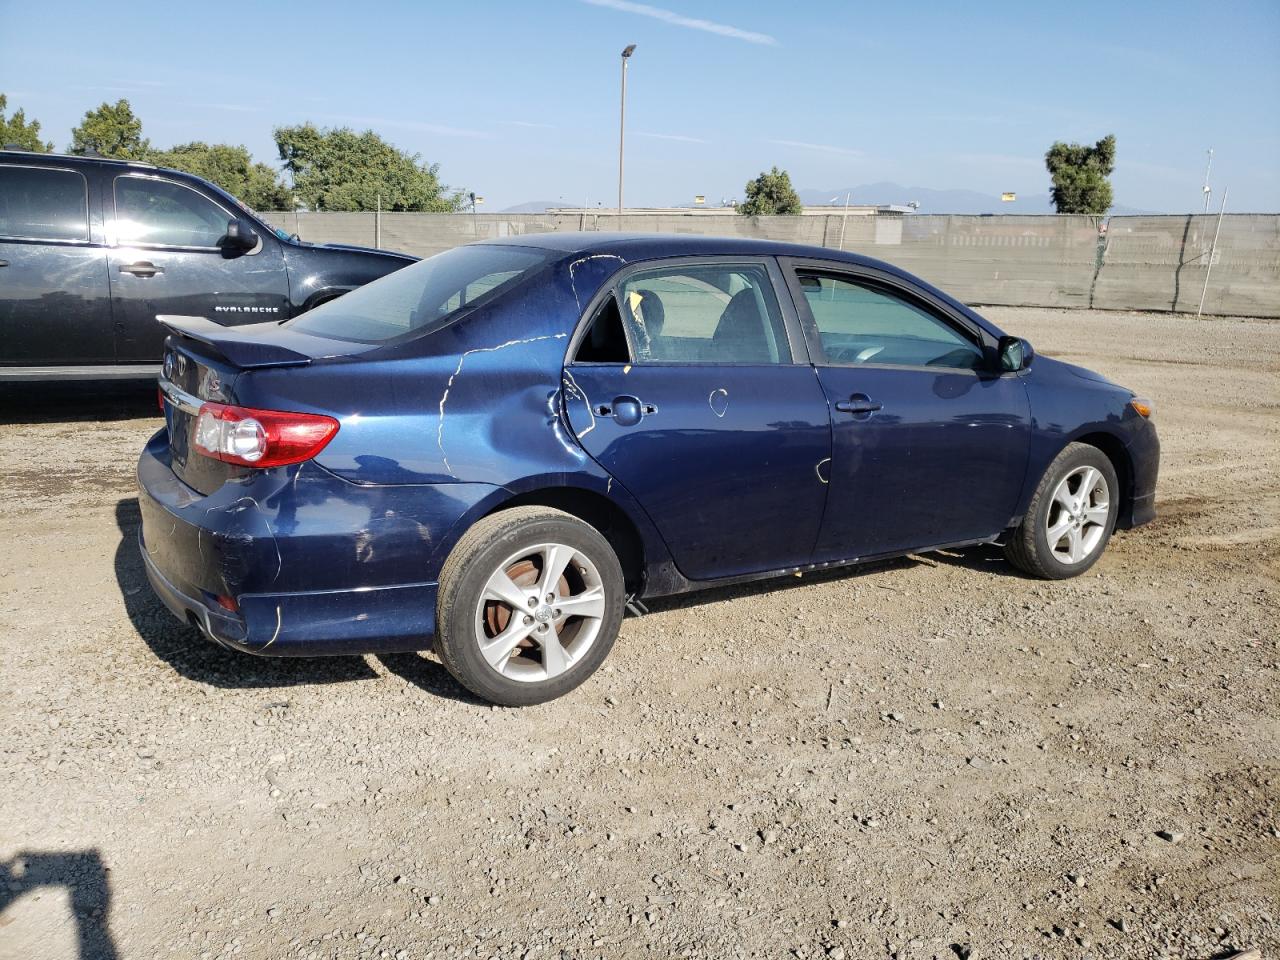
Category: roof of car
<point>645,246</point>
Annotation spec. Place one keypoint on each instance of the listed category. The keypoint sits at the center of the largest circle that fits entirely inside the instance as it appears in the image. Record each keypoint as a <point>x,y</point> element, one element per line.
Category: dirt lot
<point>932,758</point>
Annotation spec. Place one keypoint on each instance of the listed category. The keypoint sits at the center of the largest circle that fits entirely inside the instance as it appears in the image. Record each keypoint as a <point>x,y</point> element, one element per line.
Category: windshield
<point>421,298</point>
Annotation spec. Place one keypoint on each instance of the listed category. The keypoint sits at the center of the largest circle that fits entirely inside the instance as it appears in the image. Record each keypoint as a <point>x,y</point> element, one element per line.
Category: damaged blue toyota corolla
<point>492,451</point>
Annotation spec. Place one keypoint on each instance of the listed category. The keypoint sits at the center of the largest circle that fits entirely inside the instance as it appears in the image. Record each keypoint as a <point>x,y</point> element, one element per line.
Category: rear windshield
<point>423,297</point>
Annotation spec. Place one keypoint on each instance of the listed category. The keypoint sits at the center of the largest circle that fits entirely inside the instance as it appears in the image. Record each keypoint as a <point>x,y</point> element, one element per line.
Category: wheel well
<point>323,297</point>
<point>600,512</point>
<point>1115,452</point>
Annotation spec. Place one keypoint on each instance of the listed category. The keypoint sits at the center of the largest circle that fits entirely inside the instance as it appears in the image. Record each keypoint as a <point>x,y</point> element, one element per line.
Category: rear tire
<point>1070,518</point>
<point>530,603</point>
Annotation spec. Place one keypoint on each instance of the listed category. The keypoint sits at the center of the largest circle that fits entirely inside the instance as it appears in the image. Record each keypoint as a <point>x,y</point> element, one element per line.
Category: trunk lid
<point>204,361</point>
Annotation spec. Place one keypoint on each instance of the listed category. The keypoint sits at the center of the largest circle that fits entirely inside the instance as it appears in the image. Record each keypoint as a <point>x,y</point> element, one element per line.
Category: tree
<point>19,132</point>
<point>111,131</point>
<point>231,168</point>
<point>339,169</point>
<point>1080,173</point>
<point>771,193</point>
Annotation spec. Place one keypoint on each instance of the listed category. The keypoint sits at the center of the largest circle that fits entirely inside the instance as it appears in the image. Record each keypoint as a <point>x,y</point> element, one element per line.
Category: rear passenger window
<point>168,214</point>
<point>38,204</point>
<point>704,313</point>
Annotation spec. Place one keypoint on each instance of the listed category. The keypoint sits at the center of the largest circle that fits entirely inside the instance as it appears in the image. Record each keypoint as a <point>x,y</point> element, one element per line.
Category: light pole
<point>1205,191</point>
<point>622,120</point>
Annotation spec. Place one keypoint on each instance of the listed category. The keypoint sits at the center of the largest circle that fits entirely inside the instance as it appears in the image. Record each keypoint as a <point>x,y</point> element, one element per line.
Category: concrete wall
<point>1138,263</point>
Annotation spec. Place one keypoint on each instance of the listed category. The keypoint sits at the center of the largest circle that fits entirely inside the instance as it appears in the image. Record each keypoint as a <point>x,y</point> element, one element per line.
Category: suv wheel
<point>529,606</point>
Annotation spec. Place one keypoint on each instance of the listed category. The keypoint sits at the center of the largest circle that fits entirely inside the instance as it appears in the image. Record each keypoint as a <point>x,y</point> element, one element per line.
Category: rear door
<point>55,302</point>
<point>929,443</point>
<point>691,387</point>
<point>167,257</point>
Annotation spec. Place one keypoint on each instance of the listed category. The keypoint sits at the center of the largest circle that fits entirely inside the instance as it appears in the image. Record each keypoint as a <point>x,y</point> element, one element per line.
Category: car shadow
<point>195,657</point>
<point>84,876</point>
<point>430,675</point>
<point>984,558</point>
<point>78,401</point>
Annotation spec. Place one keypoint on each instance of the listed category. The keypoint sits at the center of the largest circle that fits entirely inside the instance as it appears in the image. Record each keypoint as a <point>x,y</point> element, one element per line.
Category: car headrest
<point>652,312</point>
<point>740,330</point>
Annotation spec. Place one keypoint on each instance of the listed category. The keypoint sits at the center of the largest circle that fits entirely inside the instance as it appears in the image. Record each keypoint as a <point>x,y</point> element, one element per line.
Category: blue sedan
<point>496,451</point>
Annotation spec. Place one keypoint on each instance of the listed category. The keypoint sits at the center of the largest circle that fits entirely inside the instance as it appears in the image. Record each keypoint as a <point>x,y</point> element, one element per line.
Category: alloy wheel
<point>1076,523</point>
<point>540,612</point>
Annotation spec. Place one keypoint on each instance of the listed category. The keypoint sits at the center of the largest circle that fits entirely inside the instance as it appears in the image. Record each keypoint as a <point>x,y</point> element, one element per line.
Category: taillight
<point>260,438</point>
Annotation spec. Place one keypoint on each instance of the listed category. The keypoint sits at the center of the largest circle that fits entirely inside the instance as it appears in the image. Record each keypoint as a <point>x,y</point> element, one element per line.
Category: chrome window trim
<point>88,217</point>
<point>115,215</point>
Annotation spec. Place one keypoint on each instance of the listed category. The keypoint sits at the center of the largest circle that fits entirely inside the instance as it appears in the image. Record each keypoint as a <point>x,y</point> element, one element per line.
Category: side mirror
<point>1015,354</point>
<point>240,236</point>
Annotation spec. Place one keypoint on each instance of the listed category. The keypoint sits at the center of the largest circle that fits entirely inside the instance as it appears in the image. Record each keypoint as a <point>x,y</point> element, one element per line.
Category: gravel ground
<point>930,758</point>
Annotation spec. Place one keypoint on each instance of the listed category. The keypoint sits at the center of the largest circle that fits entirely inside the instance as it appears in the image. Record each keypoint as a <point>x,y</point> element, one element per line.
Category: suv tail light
<point>260,438</point>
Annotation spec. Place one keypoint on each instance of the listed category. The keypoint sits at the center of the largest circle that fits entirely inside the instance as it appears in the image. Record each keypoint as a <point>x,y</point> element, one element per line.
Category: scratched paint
<point>719,402</point>
<point>444,397</point>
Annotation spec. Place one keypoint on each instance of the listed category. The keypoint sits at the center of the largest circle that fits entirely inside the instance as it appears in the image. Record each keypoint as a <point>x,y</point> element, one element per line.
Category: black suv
<point>91,250</point>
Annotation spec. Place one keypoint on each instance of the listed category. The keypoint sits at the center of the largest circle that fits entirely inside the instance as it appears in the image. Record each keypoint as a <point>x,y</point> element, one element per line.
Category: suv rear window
<point>39,204</point>
<point>423,297</point>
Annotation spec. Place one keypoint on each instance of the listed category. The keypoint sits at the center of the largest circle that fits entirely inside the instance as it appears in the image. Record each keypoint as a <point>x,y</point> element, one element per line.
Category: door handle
<point>4,263</point>
<point>141,269</point>
<point>859,403</point>
<point>627,410</point>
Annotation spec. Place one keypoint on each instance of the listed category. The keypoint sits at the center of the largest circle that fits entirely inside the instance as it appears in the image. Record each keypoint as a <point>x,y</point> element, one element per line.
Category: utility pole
<point>1212,250</point>
<point>845,219</point>
<point>622,120</point>
<point>1208,167</point>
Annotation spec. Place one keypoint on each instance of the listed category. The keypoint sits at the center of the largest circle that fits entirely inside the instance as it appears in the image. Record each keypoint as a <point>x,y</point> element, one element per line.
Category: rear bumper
<point>321,623</point>
<point>301,562</point>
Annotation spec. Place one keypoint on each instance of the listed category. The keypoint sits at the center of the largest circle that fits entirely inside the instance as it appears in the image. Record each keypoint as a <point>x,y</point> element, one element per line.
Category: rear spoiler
<point>242,346</point>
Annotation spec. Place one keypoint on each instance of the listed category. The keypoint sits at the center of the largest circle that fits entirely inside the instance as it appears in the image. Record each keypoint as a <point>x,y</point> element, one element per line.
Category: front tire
<point>1070,518</point>
<point>530,603</point>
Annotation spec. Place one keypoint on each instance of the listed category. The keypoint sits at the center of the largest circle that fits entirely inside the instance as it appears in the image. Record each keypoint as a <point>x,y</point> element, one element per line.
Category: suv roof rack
<point>87,155</point>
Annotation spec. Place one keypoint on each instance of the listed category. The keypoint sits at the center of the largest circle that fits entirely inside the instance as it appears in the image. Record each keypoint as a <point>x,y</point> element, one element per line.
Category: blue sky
<point>519,101</point>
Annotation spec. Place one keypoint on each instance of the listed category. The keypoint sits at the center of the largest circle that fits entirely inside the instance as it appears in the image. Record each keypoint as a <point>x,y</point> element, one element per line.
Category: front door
<point>685,390</point>
<point>168,258</point>
<point>929,444</point>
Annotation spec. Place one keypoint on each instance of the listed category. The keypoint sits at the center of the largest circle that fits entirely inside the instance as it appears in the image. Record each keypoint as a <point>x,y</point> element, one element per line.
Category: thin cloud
<point>821,147</point>
<point>999,160</point>
<point>111,88</point>
<point>233,107</point>
<point>679,138</point>
<point>435,128</point>
<point>528,123</point>
<point>680,20</point>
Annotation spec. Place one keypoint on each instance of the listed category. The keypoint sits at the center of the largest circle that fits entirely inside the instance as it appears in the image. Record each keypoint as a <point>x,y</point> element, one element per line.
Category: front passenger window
<point>861,323</point>
<point>152,211</point>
